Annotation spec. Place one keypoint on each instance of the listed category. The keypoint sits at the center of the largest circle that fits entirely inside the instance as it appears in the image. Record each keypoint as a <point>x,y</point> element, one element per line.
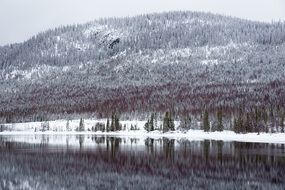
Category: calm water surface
<point>104,162</point>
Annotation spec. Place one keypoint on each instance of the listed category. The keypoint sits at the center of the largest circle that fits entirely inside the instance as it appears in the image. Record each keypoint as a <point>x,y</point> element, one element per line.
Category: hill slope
<point>184,61</point>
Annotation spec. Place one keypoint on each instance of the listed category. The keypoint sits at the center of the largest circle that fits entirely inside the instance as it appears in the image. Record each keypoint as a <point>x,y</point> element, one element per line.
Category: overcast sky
<point>21,19</point>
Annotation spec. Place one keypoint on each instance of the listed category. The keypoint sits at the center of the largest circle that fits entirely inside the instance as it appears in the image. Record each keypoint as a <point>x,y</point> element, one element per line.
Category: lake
<point>108,162</point>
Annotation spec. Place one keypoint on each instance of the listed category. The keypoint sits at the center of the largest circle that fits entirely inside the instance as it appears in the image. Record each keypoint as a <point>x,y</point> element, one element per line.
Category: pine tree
<point>282,115</point>
<point>149,125</point>
<point>257,119</point>
<point>247,124</point>
<point>44,126</point>
<point>206,123</point>
<point>166,124</point>
<point>67,126</point>
<point>220,126</point>
<point>2,128</point>
<point>112,128</point>
<point>240,124</point>
<point>151,122</point>
<point>265,120</point>
<point>171,122</point>
<point>108,125</point>
<point>117,123</point>
<point>240,127</point>
<point>155,126</point>
<point>103,127</point>
<point>272,118</point>
<point>236,126</point>
<point>146,126</point>
<point>81,125</point>
<point>185,122</point>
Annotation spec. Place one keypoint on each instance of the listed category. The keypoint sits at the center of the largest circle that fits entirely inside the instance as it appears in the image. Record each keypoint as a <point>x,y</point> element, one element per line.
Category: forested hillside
<point>186,62</point>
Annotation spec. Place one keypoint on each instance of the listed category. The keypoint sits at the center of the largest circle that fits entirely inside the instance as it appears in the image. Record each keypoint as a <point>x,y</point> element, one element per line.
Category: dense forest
<point>185,63</point>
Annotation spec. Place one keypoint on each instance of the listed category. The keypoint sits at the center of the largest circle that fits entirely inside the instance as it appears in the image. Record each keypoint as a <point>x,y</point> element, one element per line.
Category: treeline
<point>255,120</point>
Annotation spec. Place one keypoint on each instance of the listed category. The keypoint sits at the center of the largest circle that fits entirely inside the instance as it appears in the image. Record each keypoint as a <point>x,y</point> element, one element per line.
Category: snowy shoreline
<point>58,127</point>
<point>193,135</point>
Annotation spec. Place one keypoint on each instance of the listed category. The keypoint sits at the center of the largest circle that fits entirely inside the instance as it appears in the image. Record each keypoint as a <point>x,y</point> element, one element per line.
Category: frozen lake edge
<point>192,135</point>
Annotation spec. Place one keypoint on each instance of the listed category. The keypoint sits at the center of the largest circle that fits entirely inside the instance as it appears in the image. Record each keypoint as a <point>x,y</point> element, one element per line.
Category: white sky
<point>21,19</point>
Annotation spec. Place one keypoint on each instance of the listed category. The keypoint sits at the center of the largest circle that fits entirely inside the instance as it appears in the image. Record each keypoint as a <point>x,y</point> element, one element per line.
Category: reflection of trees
<point>80,139</point>
<point>113,145</point>
<point>149,144</point>
<point>44,140</point>
<point>168,148</point>
<point>206,149</point>
<point>134,141</point>
<point>185,147</point>
<point>220,145</point>
<point>7,144</point>
<point>225,160</point>
<point>98,139</point>
<point>254,153</point>
<point>68,137</point>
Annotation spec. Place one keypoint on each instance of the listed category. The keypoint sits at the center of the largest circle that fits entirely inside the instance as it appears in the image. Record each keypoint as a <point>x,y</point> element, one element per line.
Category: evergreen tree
<point>147,126</point>
<point>236,126</point>
<point>112,127</point>
<point>151,122</point>
<point>185,122</point>
<point>240,127</point>
<point>108,125</point>
<point>206,123</point>
<point>168,122</point>
<point>118,127</point>
<point>125,127</point>
<point>265,120</point>
<point>2,128</point>
<point>220,126</point>
<point>165,126</point>
<point>248,127</point>
<point>45,126</point>
<point>115,123</point>
<point>282,115</point>
<point>257,119</point>
<point>272,118</point>
<point>171,122</point>
<point>81,125</point>
<point>132,127</point>
<point>155,122</point>
<point>68,126</point>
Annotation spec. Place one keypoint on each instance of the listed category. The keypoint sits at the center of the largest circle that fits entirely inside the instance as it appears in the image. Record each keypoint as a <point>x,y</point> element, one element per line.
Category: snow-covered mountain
<point>174,60</point>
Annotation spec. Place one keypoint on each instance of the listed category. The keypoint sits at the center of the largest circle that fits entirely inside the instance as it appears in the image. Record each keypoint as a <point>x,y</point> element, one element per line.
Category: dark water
<point>100,162</point>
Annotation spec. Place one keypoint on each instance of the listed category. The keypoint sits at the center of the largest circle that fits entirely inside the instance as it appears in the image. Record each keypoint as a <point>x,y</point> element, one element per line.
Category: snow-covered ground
<point>60,127</point>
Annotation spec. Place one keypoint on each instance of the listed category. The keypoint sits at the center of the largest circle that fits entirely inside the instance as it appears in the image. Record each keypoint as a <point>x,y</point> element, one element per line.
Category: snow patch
<point>183,52</point>
<point>65,68</point>
<point>210,62</point>
<point>30,73</point>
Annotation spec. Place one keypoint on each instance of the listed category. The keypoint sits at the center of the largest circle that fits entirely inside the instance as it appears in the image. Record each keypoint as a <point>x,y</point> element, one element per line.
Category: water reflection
<point>169,149</point>
<point>164,157</point>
